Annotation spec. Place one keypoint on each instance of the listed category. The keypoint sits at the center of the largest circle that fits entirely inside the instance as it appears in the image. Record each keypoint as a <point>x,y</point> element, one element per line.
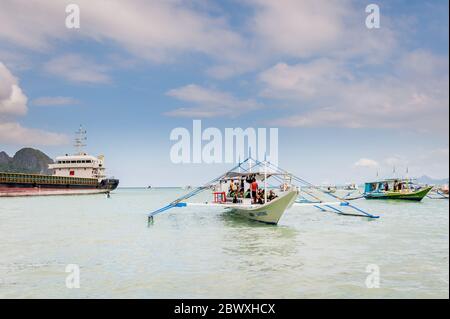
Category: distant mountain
<point>4,158</point>
<point>431,181</point>
<point>27,160</point>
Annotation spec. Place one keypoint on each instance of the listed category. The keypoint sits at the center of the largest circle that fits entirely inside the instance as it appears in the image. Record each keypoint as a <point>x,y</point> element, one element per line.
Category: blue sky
<point>348,101</point>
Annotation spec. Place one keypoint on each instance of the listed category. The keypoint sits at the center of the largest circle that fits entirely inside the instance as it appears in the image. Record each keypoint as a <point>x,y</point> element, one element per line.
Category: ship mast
<point>80,140</point>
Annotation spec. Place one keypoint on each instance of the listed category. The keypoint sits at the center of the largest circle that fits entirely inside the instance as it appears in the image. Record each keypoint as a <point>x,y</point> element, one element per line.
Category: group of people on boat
<point>398,186</point>
<point>236,190</point>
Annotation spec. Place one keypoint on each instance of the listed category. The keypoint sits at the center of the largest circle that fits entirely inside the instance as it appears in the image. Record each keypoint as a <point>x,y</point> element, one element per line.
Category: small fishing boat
<point>443,189</point>
<point>401,189</point>
<point>329,189</point>
<point>438,192</point>
<point>351,187</point>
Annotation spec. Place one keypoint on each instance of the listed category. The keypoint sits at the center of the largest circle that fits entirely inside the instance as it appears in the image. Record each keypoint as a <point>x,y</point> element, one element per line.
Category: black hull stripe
<point>103,185</point>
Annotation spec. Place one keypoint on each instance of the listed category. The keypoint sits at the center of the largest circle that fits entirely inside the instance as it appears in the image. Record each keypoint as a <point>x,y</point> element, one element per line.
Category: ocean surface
<point>199,252</point>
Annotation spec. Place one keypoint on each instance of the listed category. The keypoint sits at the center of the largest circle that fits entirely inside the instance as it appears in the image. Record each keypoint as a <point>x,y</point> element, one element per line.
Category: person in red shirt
<point>254,188</point>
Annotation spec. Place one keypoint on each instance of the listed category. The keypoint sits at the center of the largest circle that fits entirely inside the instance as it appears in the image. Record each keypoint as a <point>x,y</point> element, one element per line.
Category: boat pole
<point>265,182</point>
<point>250,170</point>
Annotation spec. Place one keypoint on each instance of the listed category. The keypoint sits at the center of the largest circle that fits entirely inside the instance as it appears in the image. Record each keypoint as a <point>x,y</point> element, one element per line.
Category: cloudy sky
<point>348,101</point>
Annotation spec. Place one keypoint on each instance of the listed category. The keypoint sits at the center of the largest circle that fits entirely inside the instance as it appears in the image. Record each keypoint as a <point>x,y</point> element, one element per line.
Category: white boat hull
<point>268,213</point>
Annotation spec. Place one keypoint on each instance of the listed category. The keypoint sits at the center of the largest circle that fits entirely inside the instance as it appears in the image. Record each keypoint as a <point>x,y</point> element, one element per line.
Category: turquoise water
<point>206,253</point>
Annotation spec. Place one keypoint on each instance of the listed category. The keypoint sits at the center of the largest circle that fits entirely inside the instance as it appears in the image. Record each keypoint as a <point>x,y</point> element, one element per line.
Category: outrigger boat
<point>268,209</point>
<point>438,192</point>
<point>401,189</point>
<point>329,189</point>
<point>279,190</point>
<point>443,189</point>
<point>351,187</point>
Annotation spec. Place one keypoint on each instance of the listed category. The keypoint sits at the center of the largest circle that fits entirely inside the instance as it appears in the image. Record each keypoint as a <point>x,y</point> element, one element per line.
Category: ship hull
<point>16,185</point>
<point>269,213</point>
<point>411,196</point>
<point>24,192</point>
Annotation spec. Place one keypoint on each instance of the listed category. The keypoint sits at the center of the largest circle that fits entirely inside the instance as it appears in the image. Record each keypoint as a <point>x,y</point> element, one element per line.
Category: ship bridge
<point>80,164</point>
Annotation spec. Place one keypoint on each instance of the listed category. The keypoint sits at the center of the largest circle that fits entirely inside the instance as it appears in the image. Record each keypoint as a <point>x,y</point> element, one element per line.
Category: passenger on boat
<point>235,198</point>
<point>271,196</point>
<point>386,187</point>
<point>232,191</point>
<point>250,178</point>
<point>396,186</point>
<point>260,196</point>
<point>254,188</point>
<point>242,186</point>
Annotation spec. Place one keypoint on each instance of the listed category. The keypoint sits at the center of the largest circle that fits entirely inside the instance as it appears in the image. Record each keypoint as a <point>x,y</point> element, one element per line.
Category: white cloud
<point>209,103</point>
<point>423,63</point>
<point>325,28</point>
<point>14,134</point>
<point>366,162</point>
<point>12,100</point>
<point>164,31</point>
<point>54,101</point>
<point>155,30</point>
<point>331,93</point>
<point>76,68</point>
<point>15,59</point>
<point>298,28</point>
<point>301,81</point>
<point>432,162</point>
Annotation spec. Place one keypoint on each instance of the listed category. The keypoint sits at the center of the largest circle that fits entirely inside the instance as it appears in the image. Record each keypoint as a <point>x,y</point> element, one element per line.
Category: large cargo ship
<point>72,175</point>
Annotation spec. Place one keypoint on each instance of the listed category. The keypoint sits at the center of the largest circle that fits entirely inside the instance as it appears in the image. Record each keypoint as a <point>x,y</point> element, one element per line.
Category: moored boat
<point>351,187</point>
<point>245,191</point>
<point>329,189</point>
<point>443,189</point>
<point>262,192</point>
<point>267,205</point>
<point>400,189</point>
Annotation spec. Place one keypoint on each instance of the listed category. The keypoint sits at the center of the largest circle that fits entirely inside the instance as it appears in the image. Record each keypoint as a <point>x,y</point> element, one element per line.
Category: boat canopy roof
<point>257,175</point>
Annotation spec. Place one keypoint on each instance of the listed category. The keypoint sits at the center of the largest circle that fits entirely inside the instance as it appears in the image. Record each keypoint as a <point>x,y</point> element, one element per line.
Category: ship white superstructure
<point>80,165</point>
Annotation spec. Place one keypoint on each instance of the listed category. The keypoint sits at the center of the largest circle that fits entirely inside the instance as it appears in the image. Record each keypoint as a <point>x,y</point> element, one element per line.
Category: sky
<point>349,102</point>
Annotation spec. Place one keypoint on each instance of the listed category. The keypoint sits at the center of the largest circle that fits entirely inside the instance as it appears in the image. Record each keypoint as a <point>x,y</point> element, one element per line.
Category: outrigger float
<point>278,190</point>
<point>437,194</point>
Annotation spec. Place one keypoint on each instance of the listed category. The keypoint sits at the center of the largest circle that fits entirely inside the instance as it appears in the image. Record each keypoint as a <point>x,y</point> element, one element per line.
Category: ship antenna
<point>80,140</point>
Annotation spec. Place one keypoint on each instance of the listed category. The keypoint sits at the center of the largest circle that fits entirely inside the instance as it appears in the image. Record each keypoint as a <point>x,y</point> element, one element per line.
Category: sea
<point>98,247</point>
